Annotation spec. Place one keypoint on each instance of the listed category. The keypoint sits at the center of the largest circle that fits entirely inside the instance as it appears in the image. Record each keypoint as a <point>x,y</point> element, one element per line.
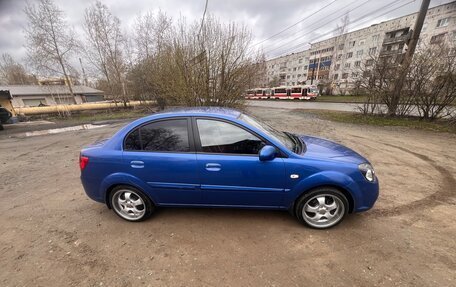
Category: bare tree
<point>13,73</point>
<point>431,80</point>
<point>376,82</point>
<point>49,40</point>
<point>199,65</point>
<point>105,48</point>
<point>339,47</point>
<point>429,86</point>
<point>151,33</point>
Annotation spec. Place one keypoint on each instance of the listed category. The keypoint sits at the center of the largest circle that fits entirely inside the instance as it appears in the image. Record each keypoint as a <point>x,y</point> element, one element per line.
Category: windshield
<point>286,140</point>
<point>313,90</point>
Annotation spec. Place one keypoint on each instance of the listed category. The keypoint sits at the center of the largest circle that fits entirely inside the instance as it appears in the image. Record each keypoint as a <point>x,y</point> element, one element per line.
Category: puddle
<point>61,130</point>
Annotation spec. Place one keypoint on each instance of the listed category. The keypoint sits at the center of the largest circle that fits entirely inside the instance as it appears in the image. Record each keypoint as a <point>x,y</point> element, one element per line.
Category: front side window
<point>222,137</point>
<point>168,136</point>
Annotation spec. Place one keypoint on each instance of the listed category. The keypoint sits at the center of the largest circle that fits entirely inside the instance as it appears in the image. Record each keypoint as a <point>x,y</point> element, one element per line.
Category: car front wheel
<point>131,204</point>
<point>322,208</point>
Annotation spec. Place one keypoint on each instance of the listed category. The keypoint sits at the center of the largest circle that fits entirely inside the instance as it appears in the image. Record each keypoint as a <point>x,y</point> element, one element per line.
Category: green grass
<point>341,99</point>
<point>380,120</point>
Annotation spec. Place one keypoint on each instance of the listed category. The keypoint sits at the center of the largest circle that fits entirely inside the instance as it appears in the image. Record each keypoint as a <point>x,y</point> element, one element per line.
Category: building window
<point>443,22</point>
<point>34,102</point>
<point>299,75</point>
<point>341,46</point>
<point>300,61</point>
<point>347,65</point>
<point>336,76</point>
<point>375,38</point>
<point>349,55</point>
<point>357,63</point>
<point>436,39</point>
<point>359,53</point>
<point>354,74</point>
<point>339,56</point>
<point>361,42</point>
<point>337,67</point>
<point>288,76</point>
<point>369,62</point>
<point>372,50</point>
<point>344,75</point>
<point>351,44</point>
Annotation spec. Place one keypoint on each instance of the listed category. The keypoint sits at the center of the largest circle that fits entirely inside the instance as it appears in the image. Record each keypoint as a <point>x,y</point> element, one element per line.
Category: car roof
<point>200,111</point>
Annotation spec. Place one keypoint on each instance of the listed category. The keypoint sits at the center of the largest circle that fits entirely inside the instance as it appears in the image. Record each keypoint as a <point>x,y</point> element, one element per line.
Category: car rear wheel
<point>322,208</point>
<point>131,204</point>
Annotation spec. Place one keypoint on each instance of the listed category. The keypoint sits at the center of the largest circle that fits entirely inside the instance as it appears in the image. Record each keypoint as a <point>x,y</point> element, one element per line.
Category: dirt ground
<point>53,235</point>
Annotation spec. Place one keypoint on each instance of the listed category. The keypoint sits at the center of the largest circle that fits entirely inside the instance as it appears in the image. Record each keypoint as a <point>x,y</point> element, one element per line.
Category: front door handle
<point>137,164</point>
<point>213,167</point>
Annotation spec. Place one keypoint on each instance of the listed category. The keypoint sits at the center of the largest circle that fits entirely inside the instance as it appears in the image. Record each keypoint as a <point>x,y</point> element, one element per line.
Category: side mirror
<point>267,153</point>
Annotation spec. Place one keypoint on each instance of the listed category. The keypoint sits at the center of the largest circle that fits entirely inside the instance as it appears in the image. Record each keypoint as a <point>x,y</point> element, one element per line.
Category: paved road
<point>346,107</point>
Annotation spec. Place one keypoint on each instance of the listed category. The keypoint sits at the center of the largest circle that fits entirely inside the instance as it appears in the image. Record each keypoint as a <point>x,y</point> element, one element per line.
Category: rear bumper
<point>92,189</point>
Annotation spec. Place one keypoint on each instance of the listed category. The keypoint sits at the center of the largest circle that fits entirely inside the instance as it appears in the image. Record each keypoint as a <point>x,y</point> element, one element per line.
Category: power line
<point>351,22</point>
<point>296,23</point>
<point>326,23</point>
<point>374,12</point>
<point>330,32</point>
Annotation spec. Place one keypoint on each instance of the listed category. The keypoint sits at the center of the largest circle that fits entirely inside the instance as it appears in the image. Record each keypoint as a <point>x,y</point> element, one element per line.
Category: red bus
<point>312,92</point>
<point>298,93</point>
<point>280,93</point>
<point>267,94</point>
<point>249,94</point>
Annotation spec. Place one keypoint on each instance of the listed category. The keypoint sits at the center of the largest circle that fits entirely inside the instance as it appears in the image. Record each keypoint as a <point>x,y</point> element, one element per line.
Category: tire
<point>322,208</point>
<point>1,127</point>
<point>130,204</point>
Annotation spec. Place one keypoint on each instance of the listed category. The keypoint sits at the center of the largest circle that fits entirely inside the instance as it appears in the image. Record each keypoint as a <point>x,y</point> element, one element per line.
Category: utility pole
<point>83,73</point>
<point>405,63</point>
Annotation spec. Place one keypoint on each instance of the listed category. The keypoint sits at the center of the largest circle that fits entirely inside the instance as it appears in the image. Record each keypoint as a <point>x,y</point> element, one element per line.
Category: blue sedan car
<point>217,157</point>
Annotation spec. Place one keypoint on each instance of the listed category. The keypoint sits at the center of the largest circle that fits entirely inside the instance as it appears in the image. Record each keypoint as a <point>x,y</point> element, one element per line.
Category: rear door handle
<point>213,167</point>
<point>137,164</point>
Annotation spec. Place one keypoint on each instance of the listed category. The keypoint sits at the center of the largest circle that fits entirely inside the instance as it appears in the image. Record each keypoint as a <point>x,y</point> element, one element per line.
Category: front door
<point>231,173</point>
<point>160,153</point>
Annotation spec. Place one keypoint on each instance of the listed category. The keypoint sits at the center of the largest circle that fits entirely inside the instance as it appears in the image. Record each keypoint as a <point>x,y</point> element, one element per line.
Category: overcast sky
<point>264,17</point>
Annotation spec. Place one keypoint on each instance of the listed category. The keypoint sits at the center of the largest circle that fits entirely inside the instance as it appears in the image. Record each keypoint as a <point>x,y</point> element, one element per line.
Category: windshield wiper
<point>296,141</point>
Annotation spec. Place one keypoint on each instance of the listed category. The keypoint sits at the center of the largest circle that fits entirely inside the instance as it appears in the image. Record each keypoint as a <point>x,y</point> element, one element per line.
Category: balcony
<point>384,52</point>
<point>403,38</point>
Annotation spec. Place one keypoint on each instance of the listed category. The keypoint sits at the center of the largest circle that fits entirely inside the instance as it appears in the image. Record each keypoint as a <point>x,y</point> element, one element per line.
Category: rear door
<point>230,171</point>
<point>161,153</point>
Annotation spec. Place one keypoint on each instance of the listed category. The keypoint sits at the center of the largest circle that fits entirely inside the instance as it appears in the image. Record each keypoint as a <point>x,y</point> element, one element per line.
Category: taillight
<point>83,161</point>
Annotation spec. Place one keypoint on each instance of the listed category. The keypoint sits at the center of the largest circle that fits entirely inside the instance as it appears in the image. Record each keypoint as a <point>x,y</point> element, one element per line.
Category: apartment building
<point>288,70</point>
<point>336,63</point>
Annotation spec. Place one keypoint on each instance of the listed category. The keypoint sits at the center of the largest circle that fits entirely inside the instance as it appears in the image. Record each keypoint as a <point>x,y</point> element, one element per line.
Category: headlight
<point>368,171</point>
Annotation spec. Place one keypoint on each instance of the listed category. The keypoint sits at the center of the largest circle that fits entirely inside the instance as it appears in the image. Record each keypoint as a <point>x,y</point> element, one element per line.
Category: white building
<point>288,70</point>
<point>34,95</point>
<point>336,62</point>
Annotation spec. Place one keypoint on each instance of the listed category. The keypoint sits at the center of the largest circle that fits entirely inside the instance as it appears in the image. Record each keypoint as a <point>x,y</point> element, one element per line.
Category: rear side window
<point>170,135</point>
<point>222,137</point>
